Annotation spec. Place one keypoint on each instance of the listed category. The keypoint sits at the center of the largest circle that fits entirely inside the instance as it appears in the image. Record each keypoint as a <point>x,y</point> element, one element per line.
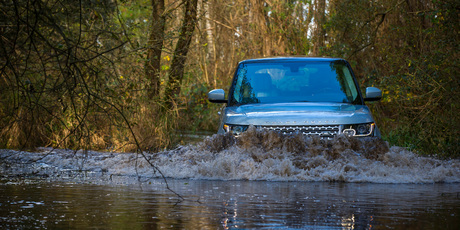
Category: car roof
<point>293,59</point>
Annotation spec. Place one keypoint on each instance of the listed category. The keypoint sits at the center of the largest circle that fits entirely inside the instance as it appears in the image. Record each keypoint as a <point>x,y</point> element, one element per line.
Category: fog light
<point>349,132</point>
<point>359,130</point>
<point>235,129</point>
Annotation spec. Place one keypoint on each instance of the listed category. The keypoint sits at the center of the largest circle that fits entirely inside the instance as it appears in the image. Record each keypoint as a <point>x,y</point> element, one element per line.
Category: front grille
<point>321,130</point>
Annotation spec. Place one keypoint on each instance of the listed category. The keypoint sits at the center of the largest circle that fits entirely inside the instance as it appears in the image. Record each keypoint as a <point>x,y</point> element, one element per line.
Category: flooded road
<point>258,181</point>
<point>212,204</point>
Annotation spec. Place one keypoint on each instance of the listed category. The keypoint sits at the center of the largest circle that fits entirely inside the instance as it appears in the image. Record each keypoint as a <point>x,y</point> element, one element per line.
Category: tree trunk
<point>209,34</point>
<point>180,53</point>
<point>319,32</point>
<point>211,48</point>
<point>155,45</point>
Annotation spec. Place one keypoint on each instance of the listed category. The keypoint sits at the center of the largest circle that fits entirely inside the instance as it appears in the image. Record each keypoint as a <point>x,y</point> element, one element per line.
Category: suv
<point>312,96</point>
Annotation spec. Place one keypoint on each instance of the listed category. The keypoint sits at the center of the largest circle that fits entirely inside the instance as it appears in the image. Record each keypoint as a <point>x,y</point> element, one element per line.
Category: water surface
<point>259,181</point>
<point>211,204</point>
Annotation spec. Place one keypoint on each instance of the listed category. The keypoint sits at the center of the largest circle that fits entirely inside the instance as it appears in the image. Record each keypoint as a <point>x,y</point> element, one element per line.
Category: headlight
<point>235,129</point>
<point>359,130</point>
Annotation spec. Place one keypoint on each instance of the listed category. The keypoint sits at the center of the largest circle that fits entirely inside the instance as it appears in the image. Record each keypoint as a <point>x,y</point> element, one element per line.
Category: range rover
<point>312,96</point>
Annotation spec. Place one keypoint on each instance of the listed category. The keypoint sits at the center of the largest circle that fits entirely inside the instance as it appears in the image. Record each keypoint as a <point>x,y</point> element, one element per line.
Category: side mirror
<point>373,94</point>
<point>217,96</point>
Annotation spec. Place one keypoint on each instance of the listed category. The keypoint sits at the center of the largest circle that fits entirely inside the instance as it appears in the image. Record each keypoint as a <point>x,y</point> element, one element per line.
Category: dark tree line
<point>55,58</point>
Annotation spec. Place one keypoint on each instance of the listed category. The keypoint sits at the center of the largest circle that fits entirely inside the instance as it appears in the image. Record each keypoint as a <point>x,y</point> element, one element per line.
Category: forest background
<point>129,75</point>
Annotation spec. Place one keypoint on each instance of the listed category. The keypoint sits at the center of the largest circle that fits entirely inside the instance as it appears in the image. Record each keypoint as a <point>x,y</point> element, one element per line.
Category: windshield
<point>275,82</point>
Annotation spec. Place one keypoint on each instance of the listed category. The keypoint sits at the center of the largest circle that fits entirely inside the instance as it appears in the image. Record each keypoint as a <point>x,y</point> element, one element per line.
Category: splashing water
<point>255,155</point>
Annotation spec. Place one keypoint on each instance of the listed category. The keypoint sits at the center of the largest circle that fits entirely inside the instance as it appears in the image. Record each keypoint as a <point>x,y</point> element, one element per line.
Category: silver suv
<point>312,96</point>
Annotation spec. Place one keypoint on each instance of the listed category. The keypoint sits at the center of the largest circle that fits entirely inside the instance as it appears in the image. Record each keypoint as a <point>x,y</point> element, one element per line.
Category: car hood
<point>305,113</point>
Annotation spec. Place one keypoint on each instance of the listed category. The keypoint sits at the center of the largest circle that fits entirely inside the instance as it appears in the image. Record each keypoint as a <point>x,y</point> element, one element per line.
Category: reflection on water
<point>213,204</point>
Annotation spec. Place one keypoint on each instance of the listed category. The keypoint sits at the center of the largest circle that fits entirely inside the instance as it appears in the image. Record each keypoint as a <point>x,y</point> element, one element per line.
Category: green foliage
<point>134,17</point>
<point>410,51</point>
<point>72,75</point>
<point>66,80</point>
<point>199,114</point>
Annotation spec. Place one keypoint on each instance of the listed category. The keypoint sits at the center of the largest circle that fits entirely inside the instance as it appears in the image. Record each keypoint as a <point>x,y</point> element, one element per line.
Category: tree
<point>53,56</point>
<point>319,33</point>
<point>155,47</point>
<point>176,73</point>
<point>409,48</point>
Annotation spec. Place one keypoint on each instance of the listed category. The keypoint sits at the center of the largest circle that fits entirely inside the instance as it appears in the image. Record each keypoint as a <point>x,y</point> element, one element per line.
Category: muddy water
<point>212,204</point>
<point>260,180</point>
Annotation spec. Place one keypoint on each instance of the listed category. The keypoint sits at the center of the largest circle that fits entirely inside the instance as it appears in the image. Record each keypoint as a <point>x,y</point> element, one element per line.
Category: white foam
<point>256,155</point>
